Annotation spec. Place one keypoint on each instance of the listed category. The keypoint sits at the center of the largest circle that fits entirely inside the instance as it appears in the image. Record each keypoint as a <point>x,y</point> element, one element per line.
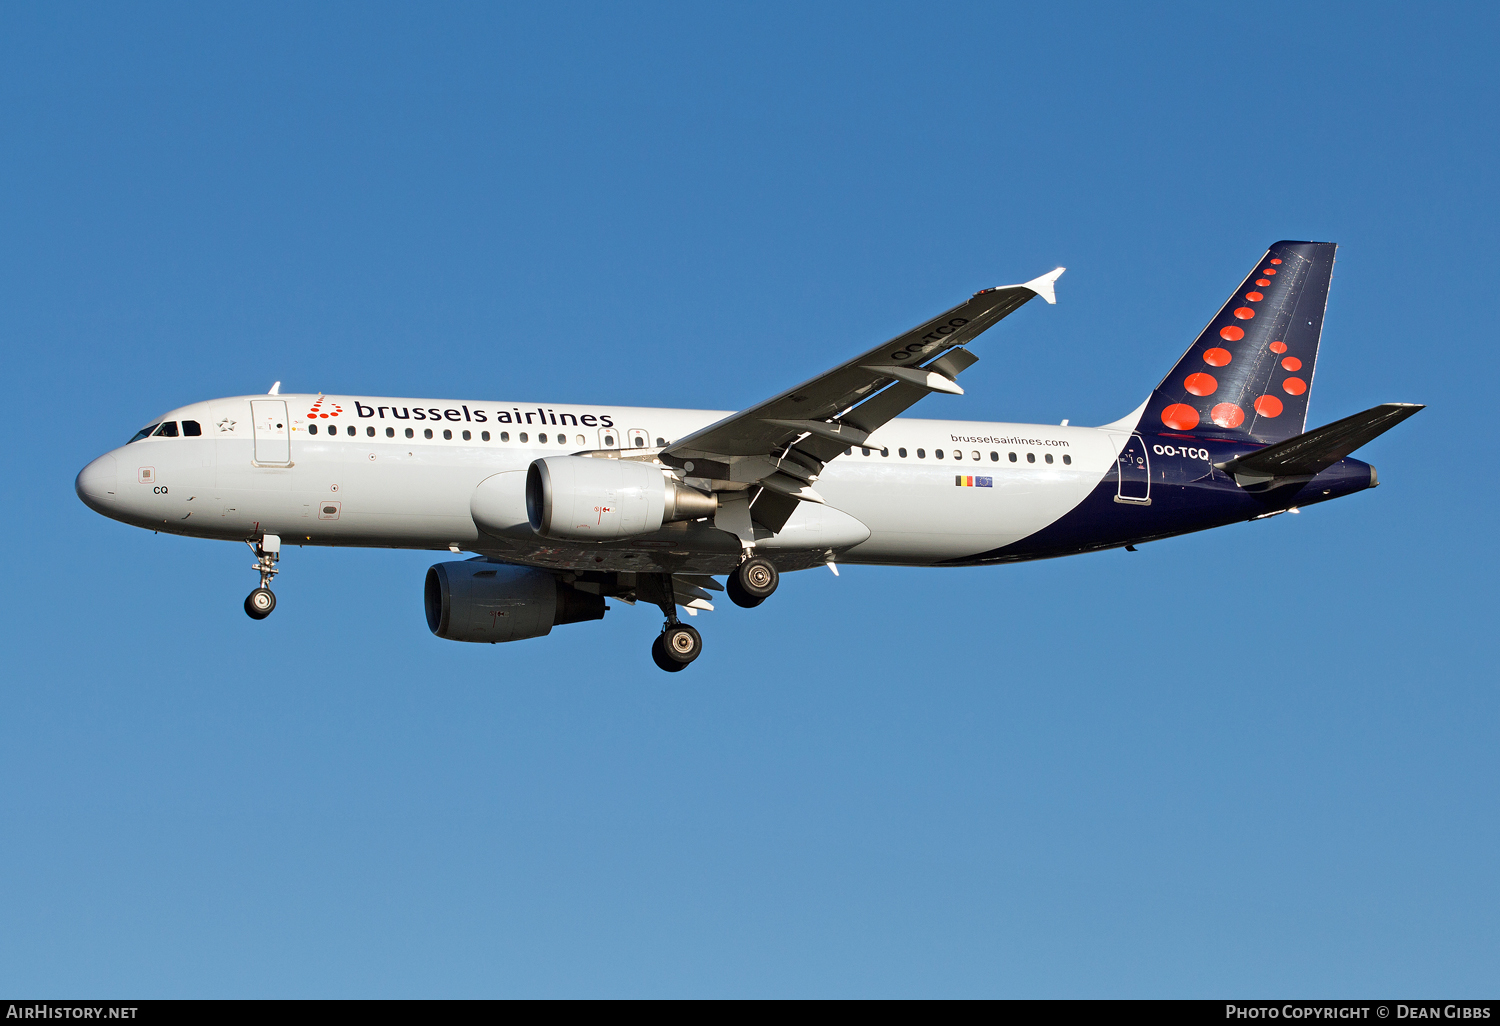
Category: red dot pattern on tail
<point>1227,415</point>
<point>1180,417</point>
<point>1201,384</point>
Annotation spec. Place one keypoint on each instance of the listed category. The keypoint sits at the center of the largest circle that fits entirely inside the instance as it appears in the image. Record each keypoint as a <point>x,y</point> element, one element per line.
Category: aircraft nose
<point>97,483</point>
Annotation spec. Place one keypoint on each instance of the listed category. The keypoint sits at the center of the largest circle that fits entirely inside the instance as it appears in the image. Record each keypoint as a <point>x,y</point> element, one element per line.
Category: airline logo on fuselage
<point>323,409</point>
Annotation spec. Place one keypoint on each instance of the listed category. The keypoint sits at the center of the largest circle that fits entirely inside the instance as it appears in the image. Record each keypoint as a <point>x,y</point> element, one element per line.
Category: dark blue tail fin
<point>1249,375</point>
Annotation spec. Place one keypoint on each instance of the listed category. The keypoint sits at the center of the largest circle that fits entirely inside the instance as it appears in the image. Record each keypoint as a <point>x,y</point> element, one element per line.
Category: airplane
<point>565,506</point>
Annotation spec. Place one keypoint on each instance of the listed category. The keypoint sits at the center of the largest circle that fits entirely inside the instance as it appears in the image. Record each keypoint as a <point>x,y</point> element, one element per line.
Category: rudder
<point>1250,373</point>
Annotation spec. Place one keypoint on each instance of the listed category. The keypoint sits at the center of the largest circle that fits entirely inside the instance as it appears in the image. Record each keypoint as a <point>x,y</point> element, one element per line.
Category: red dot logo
<point>1294,386</point>
<point>1227,415</point>
<point>1278,347</point>
<point>1244,313</point>
<point>1231,333</point>
<point>1291,363</point>
<point>1268,271</point>
<point>1276,261</point>
<point>1254,297</point>
<point>1217,357</point>
<point>1262,282</point>
<point>1200,384</point>
<point>1268,406</point>
<point>1180,417</point>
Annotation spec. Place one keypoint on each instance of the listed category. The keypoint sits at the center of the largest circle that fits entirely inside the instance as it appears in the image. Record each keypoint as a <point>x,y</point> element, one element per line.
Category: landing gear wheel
<point>752,583</point>
<point>738,595</point>
<point>676,646</point>
<point>259,603</point>
<point>659,657</point>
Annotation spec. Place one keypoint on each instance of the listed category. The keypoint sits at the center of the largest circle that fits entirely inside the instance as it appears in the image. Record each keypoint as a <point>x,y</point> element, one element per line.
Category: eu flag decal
<point>965,481</point>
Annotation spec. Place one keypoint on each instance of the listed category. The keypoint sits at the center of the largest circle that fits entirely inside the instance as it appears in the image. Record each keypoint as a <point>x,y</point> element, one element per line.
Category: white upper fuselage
<point>370,471</point>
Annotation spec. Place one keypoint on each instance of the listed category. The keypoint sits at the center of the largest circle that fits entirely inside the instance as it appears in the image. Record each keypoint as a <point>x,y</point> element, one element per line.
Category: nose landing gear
<point>260,602</point>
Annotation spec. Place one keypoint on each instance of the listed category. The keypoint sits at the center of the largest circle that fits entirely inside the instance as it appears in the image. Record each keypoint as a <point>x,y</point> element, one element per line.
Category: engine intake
<point>477,601</point>
<point>583,498</point>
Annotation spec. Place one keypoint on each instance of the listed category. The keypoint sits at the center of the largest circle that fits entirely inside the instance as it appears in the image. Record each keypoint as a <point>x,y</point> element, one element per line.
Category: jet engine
<point>584,498</point>
<point>477,601</point>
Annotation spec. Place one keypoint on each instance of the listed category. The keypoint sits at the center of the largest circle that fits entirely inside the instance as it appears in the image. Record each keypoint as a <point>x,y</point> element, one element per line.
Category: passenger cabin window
<point>542,438</point>
<point>921,454</point>
<point>938,453</point>
<point>901,453</point>
<point>885,452</point>
<point>191,428</point>
<point>484,436</point>
<point>1048,457</point>
<point>1013,457</point>
<point>427,432</point>
<point>410,433</point>
<point>863,451</point>
<point>505,436</point>
<point>312,429</point>
<point>659,442</point>
<point>1031,457</point>
<point>370,431</point>
<point>144,432</point>
<point>994,456</point>
<point>521,437</point>
<point>390,432</point>
<point>351,431</point>
<point>609,441</point>
<point>1068,460</point>
<point>958,454</point>
<point>467,436</point>
<point>974,455</point>
<point>167,430</point>
<point>447,434</point>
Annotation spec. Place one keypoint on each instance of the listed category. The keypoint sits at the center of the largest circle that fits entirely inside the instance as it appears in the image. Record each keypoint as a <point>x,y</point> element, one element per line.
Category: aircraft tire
<point>260,603</point>
<point>680,644</point>
<point>660,658</point>
<point>756,578</point>
<point>738,595</point>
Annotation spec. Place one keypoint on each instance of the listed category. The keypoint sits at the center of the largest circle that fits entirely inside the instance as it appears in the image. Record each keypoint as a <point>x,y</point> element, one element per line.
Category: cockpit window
<point>191,428</point>
<point>167,430</point>
<point>144,432</point>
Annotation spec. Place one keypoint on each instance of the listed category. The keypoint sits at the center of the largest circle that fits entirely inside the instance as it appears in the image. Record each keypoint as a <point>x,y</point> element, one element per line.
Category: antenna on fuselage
<point>275,389</point>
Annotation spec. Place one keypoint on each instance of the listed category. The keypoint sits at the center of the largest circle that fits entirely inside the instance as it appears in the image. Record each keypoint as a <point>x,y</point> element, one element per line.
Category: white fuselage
<point>365,471</point>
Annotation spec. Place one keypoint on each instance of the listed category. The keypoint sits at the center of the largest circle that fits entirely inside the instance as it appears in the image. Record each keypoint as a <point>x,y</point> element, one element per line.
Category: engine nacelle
<point>473,600</point>
<point>584,498</point>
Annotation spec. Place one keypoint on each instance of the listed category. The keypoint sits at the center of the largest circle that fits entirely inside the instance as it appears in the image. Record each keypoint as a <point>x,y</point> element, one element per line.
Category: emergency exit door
<point>273,432</point>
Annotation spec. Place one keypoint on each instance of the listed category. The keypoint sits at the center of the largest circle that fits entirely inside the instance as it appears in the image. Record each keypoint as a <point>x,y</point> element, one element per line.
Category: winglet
<point>275,389</point>
<point>1043,286</point>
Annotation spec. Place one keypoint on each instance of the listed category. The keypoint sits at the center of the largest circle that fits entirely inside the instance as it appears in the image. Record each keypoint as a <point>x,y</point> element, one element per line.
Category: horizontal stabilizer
<point>1309,454</point>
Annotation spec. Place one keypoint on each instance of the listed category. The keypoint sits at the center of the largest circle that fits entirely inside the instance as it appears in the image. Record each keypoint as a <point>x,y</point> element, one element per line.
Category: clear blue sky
<point>1257,761</point>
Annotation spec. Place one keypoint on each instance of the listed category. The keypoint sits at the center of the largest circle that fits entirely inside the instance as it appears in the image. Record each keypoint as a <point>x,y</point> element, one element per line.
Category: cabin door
<point>1133,470</point>
<point>273,431</point>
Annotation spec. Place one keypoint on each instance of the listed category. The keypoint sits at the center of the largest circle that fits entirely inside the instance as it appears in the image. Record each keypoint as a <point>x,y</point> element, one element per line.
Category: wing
<point>776,449</point>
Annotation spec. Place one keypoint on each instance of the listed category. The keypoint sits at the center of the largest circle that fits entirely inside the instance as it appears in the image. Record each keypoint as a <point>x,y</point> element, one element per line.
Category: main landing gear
<point>752,582</point>
<point>260,602</point>
<point>676,646</point>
